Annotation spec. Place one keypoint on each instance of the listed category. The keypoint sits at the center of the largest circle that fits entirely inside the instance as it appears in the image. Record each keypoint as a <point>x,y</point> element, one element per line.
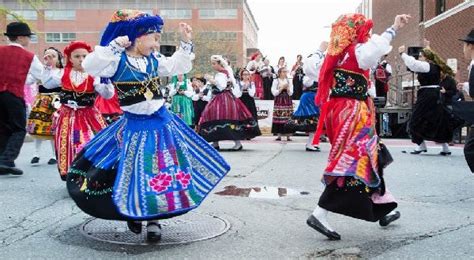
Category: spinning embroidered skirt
<point>227,118</point>
<point>145,167</point>
<point>305,118</point>
<point>75,127</point>
<point>354,185</point>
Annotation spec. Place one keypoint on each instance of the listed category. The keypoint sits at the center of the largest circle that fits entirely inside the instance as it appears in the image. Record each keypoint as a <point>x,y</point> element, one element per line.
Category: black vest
<point>432,77</point>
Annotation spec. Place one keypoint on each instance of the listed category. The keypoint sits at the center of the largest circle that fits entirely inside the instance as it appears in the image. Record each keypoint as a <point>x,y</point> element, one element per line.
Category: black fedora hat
<point>18,29</point>
<point>469,38</point>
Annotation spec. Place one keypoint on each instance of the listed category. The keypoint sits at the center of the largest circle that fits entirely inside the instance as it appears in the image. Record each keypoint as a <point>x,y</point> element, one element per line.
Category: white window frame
<point>176,13</point>
<point>21,13</point>
<point>61,37</point>
<point>218,13</point>
<point>52,15</point>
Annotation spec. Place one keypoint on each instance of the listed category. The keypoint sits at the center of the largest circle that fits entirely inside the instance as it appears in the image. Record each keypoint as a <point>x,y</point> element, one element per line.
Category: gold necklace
<point>148,93</point>
<point>74,87</point>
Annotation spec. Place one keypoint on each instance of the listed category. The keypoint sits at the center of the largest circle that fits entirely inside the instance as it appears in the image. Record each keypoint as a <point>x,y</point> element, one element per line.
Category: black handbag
<point>384,156</point>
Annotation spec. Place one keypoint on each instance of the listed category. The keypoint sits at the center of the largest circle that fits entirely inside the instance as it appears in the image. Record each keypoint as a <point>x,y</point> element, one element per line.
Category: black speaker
<point>167,50</point>
<point>414,51</point>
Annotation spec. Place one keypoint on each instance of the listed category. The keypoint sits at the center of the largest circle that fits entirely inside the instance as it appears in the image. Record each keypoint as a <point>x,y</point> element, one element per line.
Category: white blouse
<point>311,67</point>
<point>52,77</point>
<point>276,86</point>
<point>104,61</point>
<point>250,87</point>
<point>221,80</point>
<point>205,98</point>
<point>415,65</point>
<point>174,89</point>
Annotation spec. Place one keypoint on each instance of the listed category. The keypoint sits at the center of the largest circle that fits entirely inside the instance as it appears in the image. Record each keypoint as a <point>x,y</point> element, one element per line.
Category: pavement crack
<point>378,247</point>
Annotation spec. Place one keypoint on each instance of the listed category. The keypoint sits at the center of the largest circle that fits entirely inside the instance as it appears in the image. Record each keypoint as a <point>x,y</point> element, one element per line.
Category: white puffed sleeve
<point>220,81</point>
<point>368,54</point>
<point>189,90</point>
<point>275,90</point>
<point>290,87</point>
<point>252,89</point>
<point>179,63</point>
<point>311,67</point>
<point>415,65</point>
<point>103,61</point>
<point>51,77</point>
<point>172,89</point>
<point>106,90</point>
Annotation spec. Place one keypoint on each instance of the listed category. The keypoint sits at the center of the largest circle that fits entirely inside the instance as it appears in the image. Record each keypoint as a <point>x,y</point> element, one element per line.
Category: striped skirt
<point>40,120</point>
<point>227,118</point>
<point>74,129</point>
<point>145,167</point>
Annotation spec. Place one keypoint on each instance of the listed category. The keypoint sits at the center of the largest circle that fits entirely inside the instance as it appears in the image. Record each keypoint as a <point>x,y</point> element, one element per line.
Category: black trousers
<point>469,150</point>
<point>12,127</point>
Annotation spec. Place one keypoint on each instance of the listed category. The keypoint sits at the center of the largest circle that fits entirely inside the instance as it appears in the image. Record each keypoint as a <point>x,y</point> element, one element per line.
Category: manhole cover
<point>187,228</point>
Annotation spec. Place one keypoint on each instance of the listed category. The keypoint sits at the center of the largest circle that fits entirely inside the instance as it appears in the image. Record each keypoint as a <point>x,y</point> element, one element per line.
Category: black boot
<point>389,218</point>
<point>314,223</point>
<point>135,226</point>
<point>153,236</point>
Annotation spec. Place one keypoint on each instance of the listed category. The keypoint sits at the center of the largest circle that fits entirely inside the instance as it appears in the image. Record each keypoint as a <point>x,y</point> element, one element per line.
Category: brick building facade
<point>442,22</point>
<point>224,27</point>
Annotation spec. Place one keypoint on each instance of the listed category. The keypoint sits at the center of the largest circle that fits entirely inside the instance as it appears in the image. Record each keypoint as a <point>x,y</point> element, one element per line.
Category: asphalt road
<point>38,220</point>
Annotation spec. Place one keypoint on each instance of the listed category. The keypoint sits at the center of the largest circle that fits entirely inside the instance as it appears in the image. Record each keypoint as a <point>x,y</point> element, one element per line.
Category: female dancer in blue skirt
<point>148,165</point>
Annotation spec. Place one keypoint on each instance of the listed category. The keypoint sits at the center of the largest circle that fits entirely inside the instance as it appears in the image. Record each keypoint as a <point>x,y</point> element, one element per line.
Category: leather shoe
<point>5,170</point>
<point>52,161</point>
<point>314,149</point>
<point>152,236</point>
<point>445,153</point>
<point>35,160</point>
<point>389,218</point>
<point>314,223</point>
<point>135,226</point>
<point>418,151</point>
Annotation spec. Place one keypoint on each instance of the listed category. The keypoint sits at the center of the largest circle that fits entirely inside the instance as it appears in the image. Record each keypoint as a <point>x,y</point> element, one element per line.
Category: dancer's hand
<point>400,21</point>
<point>186,32</point>
<point>123,41</point>
<point>401,49</point>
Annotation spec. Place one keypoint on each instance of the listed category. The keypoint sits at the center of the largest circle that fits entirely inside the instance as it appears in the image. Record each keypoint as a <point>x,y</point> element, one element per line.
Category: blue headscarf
<point>131,23</point>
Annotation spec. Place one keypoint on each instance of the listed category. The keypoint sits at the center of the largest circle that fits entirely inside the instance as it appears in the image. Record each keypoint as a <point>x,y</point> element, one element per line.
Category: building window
<point>34,38</point>
<point>23,14</point>
<point>440,6</point>
<point>176,13</point>
<point>60,37</point>
<point>218,13</point>
<point>60,14</point>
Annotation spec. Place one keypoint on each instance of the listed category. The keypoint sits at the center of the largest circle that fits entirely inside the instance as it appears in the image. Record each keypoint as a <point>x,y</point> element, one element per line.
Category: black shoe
<point>216,147</point>
<point>5,170</point>
<point>278,139</point>
<point>418,151</point>
<point>389,219</point>
<point>152,236</point>
<point>52,161</point>
<point>445,153</point>
<point>135,226</point>
<point>314,223</point>
<point>35,160</point>
<point>316,149</point>
<point>238,148</point>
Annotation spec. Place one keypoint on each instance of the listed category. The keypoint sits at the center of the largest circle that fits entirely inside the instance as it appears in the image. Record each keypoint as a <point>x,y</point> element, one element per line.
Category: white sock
<point>422,147</point>
<point>321,214</point>
<point>53,149</point>
<point>153,228</point>
<point>37,147</point>
<point>237,144</point>
<point>445,147</point>
<point>309,143</point>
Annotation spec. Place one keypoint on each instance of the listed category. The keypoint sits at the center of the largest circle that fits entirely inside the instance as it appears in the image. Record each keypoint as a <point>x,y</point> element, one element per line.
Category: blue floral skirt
<point>144,167</point>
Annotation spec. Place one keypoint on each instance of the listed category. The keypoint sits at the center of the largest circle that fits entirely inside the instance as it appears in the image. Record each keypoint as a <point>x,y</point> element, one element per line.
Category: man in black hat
<point>18,66</point>
<point>468,50</point>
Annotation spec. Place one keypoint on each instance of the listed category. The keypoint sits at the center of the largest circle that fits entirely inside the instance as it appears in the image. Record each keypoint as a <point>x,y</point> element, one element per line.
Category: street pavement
<point>38,220</point>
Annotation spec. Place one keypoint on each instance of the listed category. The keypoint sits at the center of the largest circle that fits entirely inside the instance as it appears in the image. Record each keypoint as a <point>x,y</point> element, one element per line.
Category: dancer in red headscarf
<point>79,120</point>
<point>254,66</point>
<point>353,178</point>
